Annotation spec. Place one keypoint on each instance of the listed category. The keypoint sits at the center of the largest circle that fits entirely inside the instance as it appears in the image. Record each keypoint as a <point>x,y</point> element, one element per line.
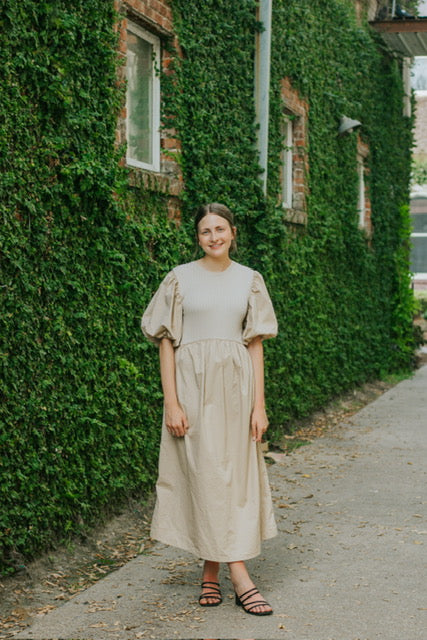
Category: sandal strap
<point>214,591</point>
<point>252,605</point>
<point>204,584</point>
<point>203,596</point>
<point>257,603</point>
<point>248,594</point>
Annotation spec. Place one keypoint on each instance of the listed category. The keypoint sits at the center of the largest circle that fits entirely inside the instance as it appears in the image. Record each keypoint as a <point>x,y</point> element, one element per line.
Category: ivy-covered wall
<point>343,300</point>
<point>81,252</point>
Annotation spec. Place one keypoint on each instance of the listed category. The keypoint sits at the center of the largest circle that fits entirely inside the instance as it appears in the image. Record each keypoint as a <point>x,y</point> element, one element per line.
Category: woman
<point>209,318</point>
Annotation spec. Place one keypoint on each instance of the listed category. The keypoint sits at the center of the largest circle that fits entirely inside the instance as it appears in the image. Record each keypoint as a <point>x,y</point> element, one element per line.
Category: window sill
<point>295,216</point>
<point>154,181</point>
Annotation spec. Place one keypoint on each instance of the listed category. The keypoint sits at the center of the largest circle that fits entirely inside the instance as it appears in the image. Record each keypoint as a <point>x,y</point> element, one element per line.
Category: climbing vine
<point>343,301</point>
<point>81,252</point>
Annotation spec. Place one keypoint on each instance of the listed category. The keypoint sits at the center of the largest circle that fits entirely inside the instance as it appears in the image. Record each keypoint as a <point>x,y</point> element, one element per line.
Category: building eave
<point>405,37</point>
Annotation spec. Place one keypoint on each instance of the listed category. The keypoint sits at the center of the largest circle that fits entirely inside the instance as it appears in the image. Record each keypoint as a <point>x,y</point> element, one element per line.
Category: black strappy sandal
<point>214,592</point>
<point>240,601</point>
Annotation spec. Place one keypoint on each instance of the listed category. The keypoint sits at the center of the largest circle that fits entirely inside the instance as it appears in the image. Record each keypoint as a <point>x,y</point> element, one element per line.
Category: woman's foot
<point>211,594</point>
<point>247,595</point>
<point>253,603</point>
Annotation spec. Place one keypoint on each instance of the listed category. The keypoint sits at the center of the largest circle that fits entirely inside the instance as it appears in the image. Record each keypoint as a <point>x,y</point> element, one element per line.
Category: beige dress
<point>213,496</point>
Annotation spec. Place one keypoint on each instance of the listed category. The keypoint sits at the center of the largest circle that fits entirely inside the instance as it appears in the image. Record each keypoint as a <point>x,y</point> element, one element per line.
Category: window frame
<point>363,210</point>
<point>154,41</point>
<point>287,161</point>
<point>418,275</point>
<point>361,196</point>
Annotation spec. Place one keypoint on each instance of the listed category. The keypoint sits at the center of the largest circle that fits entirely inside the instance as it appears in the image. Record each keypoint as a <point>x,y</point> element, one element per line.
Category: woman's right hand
<point>176,420</point>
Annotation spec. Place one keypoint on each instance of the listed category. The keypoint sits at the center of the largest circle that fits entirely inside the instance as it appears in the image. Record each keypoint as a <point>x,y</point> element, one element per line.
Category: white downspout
<point>262,84</point>
<point>406,75</point>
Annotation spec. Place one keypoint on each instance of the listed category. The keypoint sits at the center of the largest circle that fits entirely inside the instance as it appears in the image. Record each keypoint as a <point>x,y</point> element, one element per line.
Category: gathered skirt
<point>213,495</point>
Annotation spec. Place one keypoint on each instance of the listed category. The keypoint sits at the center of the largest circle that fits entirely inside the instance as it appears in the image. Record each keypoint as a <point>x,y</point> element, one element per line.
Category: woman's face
<point>215,235</point>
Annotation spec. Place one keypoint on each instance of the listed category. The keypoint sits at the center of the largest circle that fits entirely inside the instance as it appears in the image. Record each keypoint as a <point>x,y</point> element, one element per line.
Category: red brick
<point>168,143</point>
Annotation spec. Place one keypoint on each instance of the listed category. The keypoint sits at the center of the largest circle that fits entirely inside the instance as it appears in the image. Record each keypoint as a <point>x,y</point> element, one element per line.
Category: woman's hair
<point>219,210</point>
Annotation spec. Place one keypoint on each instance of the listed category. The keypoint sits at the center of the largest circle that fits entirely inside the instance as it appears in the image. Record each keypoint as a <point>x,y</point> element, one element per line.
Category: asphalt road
<point>349,562</point>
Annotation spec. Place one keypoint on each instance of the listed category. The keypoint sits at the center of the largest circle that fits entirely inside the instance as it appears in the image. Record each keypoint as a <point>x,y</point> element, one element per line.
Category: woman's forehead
<point>212,220</point>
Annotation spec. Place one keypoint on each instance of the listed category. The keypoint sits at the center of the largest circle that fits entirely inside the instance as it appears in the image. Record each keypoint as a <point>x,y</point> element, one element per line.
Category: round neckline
<point>197,263</point>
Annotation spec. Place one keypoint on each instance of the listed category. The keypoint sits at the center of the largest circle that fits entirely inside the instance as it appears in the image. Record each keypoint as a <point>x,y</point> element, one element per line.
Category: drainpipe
<point>406,75</point>
<point>262,84</point>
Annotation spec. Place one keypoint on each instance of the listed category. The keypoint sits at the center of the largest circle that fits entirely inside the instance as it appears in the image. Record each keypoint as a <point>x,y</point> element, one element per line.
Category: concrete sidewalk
<point>349,562</point>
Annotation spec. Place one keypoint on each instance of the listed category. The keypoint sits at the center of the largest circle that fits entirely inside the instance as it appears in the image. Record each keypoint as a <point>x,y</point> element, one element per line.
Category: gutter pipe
<point>262,84</point>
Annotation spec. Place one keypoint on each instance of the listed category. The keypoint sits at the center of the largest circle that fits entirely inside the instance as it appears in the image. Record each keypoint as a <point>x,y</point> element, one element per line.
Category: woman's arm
<point>175,418</point>
<point>259,420</point>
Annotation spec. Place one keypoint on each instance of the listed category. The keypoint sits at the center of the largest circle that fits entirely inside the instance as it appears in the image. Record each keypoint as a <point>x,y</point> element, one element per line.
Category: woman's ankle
<point>239,576</point>
<point>210,571</point>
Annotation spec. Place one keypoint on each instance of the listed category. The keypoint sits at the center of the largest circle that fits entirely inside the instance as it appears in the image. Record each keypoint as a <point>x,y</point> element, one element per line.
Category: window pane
<point>419,73</point>
<point>419,215</point>
<point>419,255</point>
<point>419,223</point>
<point>361,203</point>
<point>139,69</point>
<point>287,168</point>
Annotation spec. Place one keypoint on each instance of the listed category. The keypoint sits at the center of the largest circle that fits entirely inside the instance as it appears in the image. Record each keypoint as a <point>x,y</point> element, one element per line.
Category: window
<point>361,203</point>
<point>294,157</point>
<point>363,200</point>
<point>142,99</point>
<point>419,73</point>
<point>419,237</point>
<point>287,162</point>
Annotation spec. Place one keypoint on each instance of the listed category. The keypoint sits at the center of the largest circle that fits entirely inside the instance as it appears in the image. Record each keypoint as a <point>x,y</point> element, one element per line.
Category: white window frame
<point>361,198</point>
<point>155,124</point>
<point>287,162</point>
<point>418,275</point>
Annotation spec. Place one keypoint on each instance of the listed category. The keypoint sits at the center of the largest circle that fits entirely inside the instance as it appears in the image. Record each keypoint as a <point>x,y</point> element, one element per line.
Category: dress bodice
<point>194,304</point>
<point>214,303</point>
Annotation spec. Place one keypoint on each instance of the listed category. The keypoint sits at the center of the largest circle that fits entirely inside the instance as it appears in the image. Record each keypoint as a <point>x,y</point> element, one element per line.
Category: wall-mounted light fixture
<point>347,125</point>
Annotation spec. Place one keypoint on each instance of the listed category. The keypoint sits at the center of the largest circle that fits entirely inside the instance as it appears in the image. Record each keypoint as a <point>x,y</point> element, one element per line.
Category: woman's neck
<point>210,264</point>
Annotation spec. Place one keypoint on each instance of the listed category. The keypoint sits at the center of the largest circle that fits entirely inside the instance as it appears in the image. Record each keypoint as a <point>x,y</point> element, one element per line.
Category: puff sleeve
<point>260,318</point>
<point>163,316</point>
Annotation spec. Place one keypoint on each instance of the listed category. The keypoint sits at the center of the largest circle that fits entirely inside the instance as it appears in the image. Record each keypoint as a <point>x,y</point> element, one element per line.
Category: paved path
<point>349,563</point>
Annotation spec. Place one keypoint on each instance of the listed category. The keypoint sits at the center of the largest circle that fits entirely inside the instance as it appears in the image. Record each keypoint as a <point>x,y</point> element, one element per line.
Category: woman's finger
<point>254,430</point>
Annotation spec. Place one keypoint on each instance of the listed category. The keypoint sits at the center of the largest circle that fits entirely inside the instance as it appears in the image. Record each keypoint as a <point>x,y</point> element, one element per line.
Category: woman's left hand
<point>259,423</point>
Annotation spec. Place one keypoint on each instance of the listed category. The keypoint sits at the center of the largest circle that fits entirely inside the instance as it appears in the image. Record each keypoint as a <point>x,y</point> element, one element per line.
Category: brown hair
<point>219,210</point>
